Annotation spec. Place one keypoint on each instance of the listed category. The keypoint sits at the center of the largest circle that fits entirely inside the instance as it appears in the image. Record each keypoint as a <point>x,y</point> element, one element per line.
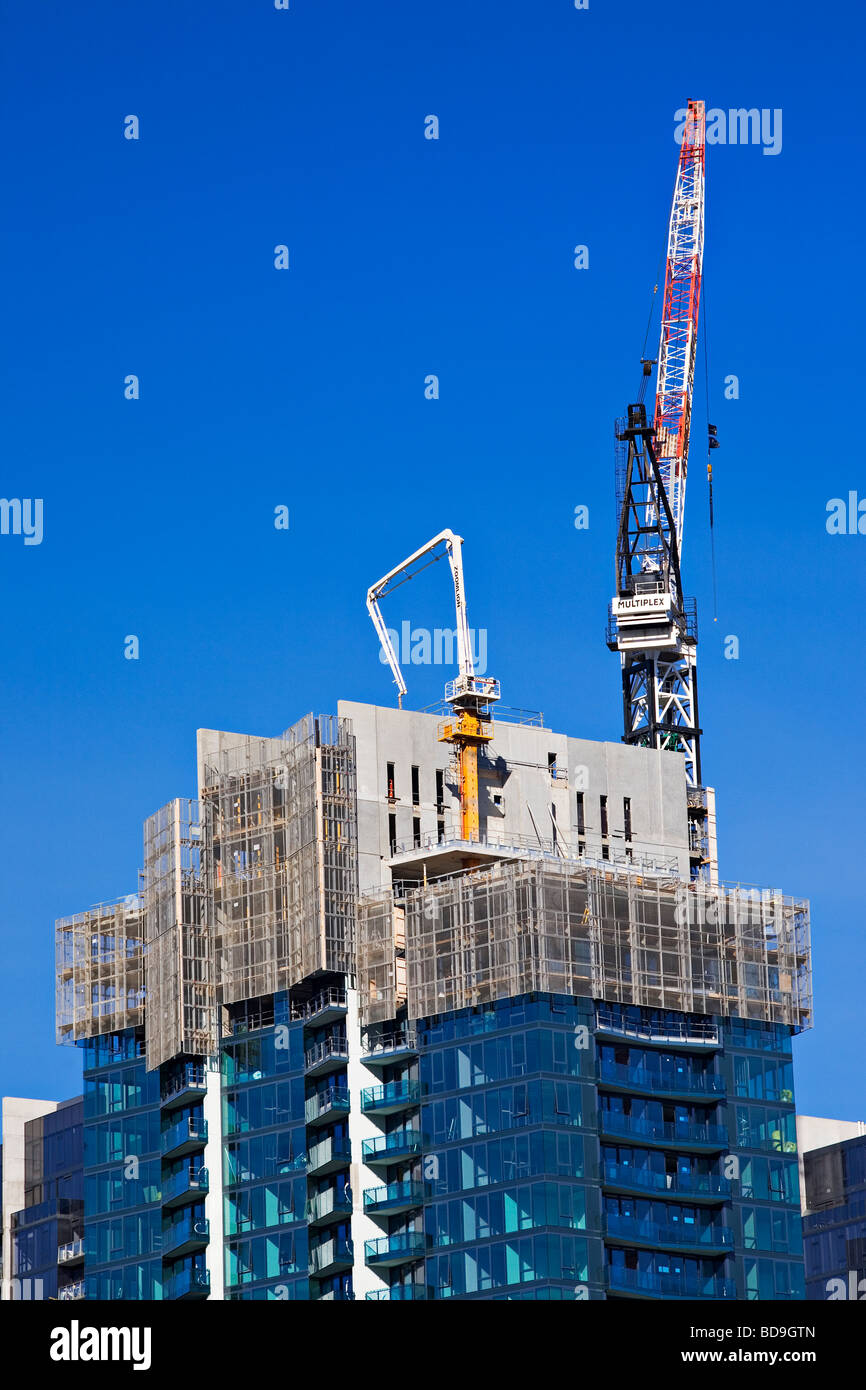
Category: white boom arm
<point>454,549</point>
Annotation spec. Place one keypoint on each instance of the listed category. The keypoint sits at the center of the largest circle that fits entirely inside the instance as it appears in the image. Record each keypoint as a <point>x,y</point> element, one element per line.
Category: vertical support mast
<point>651,623</point>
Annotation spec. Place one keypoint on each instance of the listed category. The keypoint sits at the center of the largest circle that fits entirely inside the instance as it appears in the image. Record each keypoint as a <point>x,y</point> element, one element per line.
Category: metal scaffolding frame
<point>609,933</point>
<point>99,958</point>
<point>248,892</point>
<point>180,1016</point>
<point>281,858</point>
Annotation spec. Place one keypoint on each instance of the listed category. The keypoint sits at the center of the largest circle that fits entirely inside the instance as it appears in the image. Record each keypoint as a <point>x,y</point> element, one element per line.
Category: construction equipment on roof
<point>469,695</point>
<point>651,623</point>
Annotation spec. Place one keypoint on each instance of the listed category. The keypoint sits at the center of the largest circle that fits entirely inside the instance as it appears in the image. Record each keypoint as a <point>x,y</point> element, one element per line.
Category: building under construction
<point>361,1056</point>
<point>414,1005</point>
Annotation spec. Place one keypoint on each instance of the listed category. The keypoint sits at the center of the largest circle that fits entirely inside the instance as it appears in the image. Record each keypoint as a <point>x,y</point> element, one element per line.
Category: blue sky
<point>306,388</point>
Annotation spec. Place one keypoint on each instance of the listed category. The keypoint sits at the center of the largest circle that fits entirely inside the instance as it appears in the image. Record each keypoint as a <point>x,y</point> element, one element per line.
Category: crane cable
<point>647,365</point>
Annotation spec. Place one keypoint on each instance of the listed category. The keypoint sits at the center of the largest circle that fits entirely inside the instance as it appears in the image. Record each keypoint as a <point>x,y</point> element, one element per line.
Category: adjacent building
<point>833,1189</point>
<point>42,1161</point>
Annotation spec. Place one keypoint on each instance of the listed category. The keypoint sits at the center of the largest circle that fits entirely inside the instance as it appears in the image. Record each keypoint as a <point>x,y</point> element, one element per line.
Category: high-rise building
<point>833,1190</point>
<point>43,1199</point>
<point>333,1050</point>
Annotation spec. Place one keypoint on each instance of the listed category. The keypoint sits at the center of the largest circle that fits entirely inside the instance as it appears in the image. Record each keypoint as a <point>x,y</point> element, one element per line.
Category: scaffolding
<point>180,1015</point>
<point>281,858</point>
<point>610,933</point>
<point>381,957</point>
<point>99,957</point>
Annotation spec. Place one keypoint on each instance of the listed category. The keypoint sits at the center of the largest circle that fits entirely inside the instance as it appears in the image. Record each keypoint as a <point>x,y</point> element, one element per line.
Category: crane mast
<point>651,623</point>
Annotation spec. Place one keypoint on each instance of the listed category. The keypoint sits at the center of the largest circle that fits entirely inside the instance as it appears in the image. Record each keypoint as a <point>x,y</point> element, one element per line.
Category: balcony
<point>184,1087</point>
<point>696,1187</point>
<point>190,1283</point>
<point>697,1033</point>
<point>388,1048</point>
<point>330,1055</point>
<point>182,1237</point>
<point>186,1186</point>
<point>71,1252</point>
<point>395,1250</point>
<point>71,1292</point>
<point>396,1095</point>
<point>183,1137</point>
<point>396,1197</point>
<point>639,1283</point>
<point>328,1206</point>
<point>326,1007</point>
<point>331,1257</point>
<point>392,1148</point>
<point>400,1293</point>
<point>328,1155</point>
<point>616,1076</point>
<point>662,1133</point>
<point>326,1105</point>
<point>705,1240</point>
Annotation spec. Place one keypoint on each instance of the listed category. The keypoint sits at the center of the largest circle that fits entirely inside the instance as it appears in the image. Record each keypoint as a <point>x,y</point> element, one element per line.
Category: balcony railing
<point>191,1182</point>
<point>382,1048</point>
<point>72,1250</point>
<point>190,1283</point>
<point>400,1293</point>
<point>328,1155</point>
<point>330,1204</point>
<point>396,1196</point>
<point>663,1081</point>
<point>410,1245</point>
<point>188,1133</point>
<point>328,1001</point>
<point>393,1096</point>
<point>186,1234</point>
<point>335,1100</point>
<point>703,1031</point>
<point>686,1134</point>
<point>191,1077</point>
<point>677,1235</point>
<point>695,1185</point>
<point>69,1292</point>
<point>330,1256</point>
<point>388,1148</point>
<point>651,1284</point>
<point>333,1052</point>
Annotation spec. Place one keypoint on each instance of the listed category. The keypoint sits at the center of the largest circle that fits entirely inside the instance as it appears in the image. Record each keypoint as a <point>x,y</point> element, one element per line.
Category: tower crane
<point>651,623</point>
<point>468,728</point>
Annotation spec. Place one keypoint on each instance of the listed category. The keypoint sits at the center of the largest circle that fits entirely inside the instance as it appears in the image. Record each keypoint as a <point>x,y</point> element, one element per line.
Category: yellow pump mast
<point>469,726</point>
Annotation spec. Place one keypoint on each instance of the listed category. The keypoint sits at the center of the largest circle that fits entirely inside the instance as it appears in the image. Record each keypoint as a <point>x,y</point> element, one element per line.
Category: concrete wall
<point>515,769</point>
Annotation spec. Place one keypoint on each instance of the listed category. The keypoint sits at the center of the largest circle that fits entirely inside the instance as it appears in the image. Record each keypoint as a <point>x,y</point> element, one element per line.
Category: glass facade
<point>553,1148</point>
<point>286,1151</point>
<point>542,1147</point>
<point>122,1196</point>
<point>265,1157</point>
